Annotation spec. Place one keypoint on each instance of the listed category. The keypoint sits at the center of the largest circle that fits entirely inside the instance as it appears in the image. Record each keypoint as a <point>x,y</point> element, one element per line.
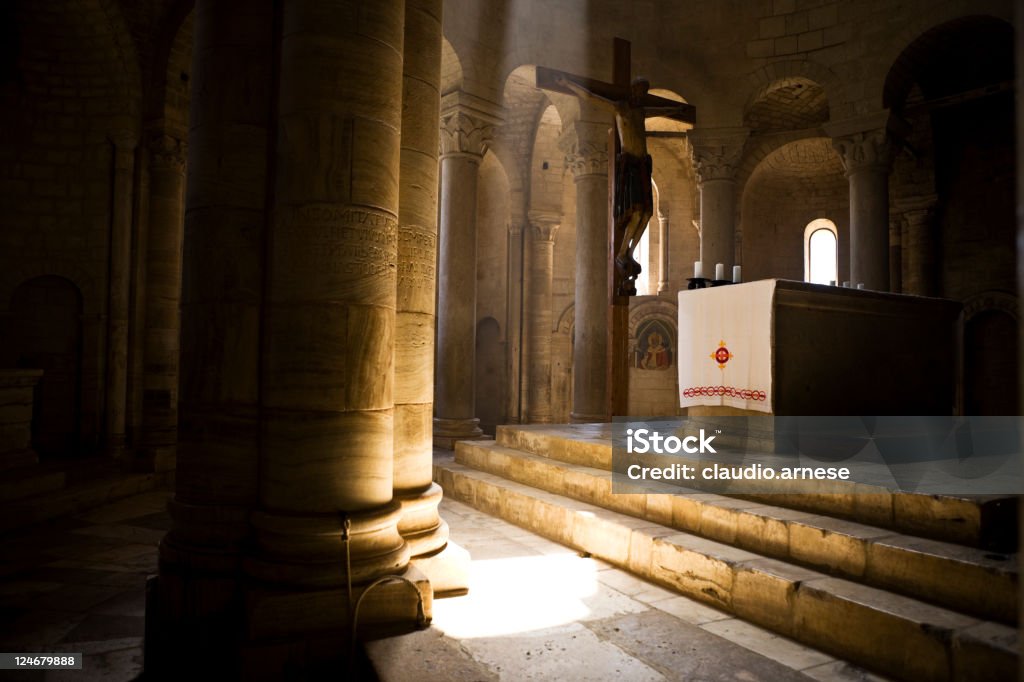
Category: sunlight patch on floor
<point>520,594</point>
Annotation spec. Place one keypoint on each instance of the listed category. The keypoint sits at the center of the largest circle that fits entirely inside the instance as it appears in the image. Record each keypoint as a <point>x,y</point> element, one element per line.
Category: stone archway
<point>991,341</point>
<point>44,331</point>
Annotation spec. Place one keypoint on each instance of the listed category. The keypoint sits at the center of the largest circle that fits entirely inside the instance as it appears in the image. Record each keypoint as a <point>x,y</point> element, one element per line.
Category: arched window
<point>821,265</point>
<point>646,284</point>
<point>642,255</point>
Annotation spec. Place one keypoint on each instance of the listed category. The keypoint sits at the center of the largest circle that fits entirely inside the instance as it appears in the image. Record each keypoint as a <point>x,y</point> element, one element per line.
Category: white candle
<point>846,284</point>
<point>698,269</point>
<point>860,285</point>
<point>736,274</point>
<point>719,271</point>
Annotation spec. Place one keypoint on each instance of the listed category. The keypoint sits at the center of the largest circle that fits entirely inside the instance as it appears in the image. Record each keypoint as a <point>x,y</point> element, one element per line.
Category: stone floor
<point>535,610</point>
<point>78,584</point>
<point>539,611</point>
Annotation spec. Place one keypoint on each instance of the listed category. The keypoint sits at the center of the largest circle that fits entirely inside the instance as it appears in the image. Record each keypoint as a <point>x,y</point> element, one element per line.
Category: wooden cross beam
<point>619,88</point>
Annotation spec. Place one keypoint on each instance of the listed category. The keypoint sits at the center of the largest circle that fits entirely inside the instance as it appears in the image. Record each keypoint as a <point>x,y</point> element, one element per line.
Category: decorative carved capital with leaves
<point>586,148</point>
<point>717,153</point>
<point>544,226</point>
<point>167,151</point>
<point>463,133</point>
<point>866,149</point>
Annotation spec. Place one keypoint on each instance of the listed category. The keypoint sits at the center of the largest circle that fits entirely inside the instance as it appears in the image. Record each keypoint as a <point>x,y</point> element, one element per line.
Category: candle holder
<point>697,283</point>
<point>721,282</point>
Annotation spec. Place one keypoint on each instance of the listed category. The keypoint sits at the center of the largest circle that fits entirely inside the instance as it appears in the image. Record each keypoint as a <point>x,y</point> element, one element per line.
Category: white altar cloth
<point>725,346</point>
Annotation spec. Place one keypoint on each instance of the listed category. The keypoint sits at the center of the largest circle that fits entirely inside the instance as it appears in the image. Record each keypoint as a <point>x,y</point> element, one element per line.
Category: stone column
<point>422,528</point>
<point>866,149</point>
<point>465,132</point>
<point>542,264</point>
<point>716,154</point>
<point>193,605</point>
<point>895,254</point>
<point>514,319</point>
<point>662,252</point>
<point>920,257</point>
<point>162,330</point>
<point>587,158</point>
<point>118,307</point>
<point>327,391</point>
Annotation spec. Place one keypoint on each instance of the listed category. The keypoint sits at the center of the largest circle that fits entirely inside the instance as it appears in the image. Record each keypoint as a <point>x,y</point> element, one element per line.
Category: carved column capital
<point>867,142</point>
<point>716,152</point>
<point>865,150</point>
<point>462,132</point>
<point>544,225</point>
<point>585,144</point>
<point>125,142</point>
<point>168,151</point>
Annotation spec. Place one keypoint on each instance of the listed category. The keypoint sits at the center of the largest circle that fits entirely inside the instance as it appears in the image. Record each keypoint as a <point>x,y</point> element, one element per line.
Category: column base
<point>424,531</point>
<point>308,551</point>
<point>115,447</point>
<point>448,431</point>
<point>448,570</point>
<point>274,633</point>
<point>157,459</point>
<point>192,605</point>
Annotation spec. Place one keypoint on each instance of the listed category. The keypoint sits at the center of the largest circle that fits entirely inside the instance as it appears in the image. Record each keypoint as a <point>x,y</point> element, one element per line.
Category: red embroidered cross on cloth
<point>725,346</point>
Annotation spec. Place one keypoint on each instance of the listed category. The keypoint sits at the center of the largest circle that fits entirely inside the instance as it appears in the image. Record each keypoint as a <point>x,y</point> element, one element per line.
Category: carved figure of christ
<point>632,104</point>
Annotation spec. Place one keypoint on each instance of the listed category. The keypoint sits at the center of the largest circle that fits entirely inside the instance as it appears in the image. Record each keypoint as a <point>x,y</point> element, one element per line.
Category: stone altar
<point>823,350</point>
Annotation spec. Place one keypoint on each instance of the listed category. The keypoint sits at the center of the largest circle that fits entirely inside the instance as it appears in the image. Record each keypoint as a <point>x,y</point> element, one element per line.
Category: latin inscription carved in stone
<point>343,240</point>
<point>418,255</point>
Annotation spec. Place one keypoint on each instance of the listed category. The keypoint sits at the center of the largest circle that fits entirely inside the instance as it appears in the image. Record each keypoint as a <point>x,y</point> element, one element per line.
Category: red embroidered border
<point>727,391</point>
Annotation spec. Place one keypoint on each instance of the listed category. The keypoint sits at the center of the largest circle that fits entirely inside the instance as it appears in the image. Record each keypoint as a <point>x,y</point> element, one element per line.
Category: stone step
<point>979,521</point>
<point>892,634</point>
<point>14,459</point>
<point>87,485</point>
<point>965,579</point>
<point>22,482</point>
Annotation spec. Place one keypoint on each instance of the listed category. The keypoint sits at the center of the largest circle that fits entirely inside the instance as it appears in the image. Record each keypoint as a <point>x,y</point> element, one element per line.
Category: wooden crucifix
<point>631,198</point>
<point>632,104</point>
